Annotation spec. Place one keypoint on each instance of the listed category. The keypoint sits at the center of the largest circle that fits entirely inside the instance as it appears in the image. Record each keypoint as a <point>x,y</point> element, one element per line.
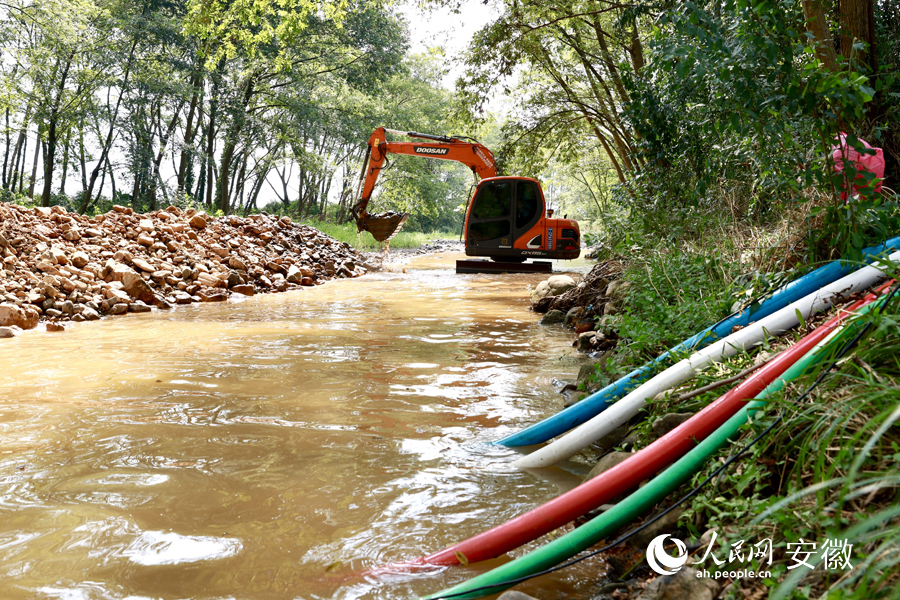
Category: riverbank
<point>824,475</point>
<point>59,266</point>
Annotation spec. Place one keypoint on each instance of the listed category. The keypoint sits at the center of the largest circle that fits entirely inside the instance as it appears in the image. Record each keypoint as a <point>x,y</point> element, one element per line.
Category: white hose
<point>620,412</point>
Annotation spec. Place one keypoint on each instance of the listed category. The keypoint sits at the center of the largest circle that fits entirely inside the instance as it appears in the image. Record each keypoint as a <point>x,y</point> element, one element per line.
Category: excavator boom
<point>382,227</point>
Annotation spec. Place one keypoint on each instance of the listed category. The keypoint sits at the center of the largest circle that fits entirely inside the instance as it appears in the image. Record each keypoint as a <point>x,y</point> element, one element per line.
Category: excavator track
<point>490,266</point>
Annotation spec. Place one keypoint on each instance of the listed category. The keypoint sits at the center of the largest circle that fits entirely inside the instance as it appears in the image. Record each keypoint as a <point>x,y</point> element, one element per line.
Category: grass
<point>829,471</point>
<point>364,241</point>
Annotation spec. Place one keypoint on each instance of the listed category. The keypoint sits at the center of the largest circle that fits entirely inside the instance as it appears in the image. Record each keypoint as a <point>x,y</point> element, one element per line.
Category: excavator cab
<point>508,221</point>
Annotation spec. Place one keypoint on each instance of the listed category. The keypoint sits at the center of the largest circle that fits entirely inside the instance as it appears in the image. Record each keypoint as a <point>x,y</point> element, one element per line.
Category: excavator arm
<point>382,227</point>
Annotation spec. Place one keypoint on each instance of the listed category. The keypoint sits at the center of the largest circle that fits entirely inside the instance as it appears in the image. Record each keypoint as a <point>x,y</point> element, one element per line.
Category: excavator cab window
<point>494,201</point>
<point>504,210</point>
<point>527,204</point>
<point>491,213</point>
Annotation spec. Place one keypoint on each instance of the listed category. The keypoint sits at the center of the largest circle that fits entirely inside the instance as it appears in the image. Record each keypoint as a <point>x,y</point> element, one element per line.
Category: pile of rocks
<point>583,305</point>
<point>61,266</point>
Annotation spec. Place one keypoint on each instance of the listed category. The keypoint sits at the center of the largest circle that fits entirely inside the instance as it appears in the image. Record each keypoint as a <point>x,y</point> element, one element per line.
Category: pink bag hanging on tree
<point>871,163</point>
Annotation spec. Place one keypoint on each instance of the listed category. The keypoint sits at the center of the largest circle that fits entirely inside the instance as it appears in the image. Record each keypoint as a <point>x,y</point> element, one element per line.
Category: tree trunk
<point>6,153</point>
<point>211,147</point>
<point>609,63</point>
<point>82,161</point>
<point>20,151</point>
<point>189,131</point>
<point>858,25</point>
<point>102,183</point>
<point>637,50</point>
<point>231,140</point>
<point>112,179</point>
<point>65,167</point>
<point>49,159</point>
<point>817,25</point>
<point>34,165</point>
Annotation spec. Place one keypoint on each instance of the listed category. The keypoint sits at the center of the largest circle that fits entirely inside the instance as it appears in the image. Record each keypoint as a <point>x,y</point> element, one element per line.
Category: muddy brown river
<point>278,446</point>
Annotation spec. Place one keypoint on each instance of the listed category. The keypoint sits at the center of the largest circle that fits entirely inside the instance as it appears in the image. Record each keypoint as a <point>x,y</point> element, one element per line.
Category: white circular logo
<point>661,561</point>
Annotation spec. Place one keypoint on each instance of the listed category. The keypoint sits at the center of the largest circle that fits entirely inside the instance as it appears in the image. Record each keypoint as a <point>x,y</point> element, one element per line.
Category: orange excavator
<point>506,219</point>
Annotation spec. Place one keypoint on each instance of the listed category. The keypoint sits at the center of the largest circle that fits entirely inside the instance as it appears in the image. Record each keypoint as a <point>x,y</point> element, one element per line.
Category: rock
<point>554,286</point>
<point>560,284</point>
<point>629,441</point>
<point>608,462</point>
<point>209,280</point>
<point>294,275</point>
<point>761,357</point>
<point>574,314</point>
<point>585,372</point>
<point>514,595</point>
<point>585,341</point>
<point>612,287</point>
<point>665,396</point>
<point>212,296</point>
<point>614,438</point>
<point>246,290</point>
<point>234,279</point>
<point>107,269</point>
<point>138,307</point>
<point>132,283</point>
<point>667,524</point>
<point>14,316</point>
<point>683,584</point>
<point>55,327</point>
<point>9,332</point>
<point>59,256</point>
<point>90,314</point>
<point>143,265</point>
<point>198,221</point>
<point>553,317</point>
<point>668,422</point>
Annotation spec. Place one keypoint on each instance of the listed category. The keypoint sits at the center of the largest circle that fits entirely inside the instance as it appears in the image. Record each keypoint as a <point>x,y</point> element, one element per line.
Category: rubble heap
<point>59,266</point>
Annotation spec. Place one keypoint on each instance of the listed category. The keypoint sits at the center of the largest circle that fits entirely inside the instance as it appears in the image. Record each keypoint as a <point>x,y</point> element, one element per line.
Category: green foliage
<point>734,95</point>
<point>829,470</point>
<point>671,296</point>
<point>235,28</point>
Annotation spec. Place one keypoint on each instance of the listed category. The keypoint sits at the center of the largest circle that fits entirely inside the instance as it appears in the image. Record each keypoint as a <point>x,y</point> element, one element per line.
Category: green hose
<point>647,496</point>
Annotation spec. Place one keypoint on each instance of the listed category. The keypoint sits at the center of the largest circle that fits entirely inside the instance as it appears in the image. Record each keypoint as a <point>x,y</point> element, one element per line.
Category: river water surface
<point>279,446</point>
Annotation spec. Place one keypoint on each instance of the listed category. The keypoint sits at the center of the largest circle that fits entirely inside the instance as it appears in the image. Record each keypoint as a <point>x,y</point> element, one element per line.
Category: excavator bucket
<point>382,226</point>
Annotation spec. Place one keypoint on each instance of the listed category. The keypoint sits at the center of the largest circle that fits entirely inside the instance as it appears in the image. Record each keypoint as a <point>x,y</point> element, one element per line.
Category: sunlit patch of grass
<point>364,241</point>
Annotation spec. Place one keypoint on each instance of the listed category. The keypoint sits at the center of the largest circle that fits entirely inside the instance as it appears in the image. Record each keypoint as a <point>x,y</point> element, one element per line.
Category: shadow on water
<point>275,446</point>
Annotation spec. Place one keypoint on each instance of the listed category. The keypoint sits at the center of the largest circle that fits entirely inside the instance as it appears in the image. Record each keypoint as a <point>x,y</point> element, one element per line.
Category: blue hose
<point>597,402</point>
